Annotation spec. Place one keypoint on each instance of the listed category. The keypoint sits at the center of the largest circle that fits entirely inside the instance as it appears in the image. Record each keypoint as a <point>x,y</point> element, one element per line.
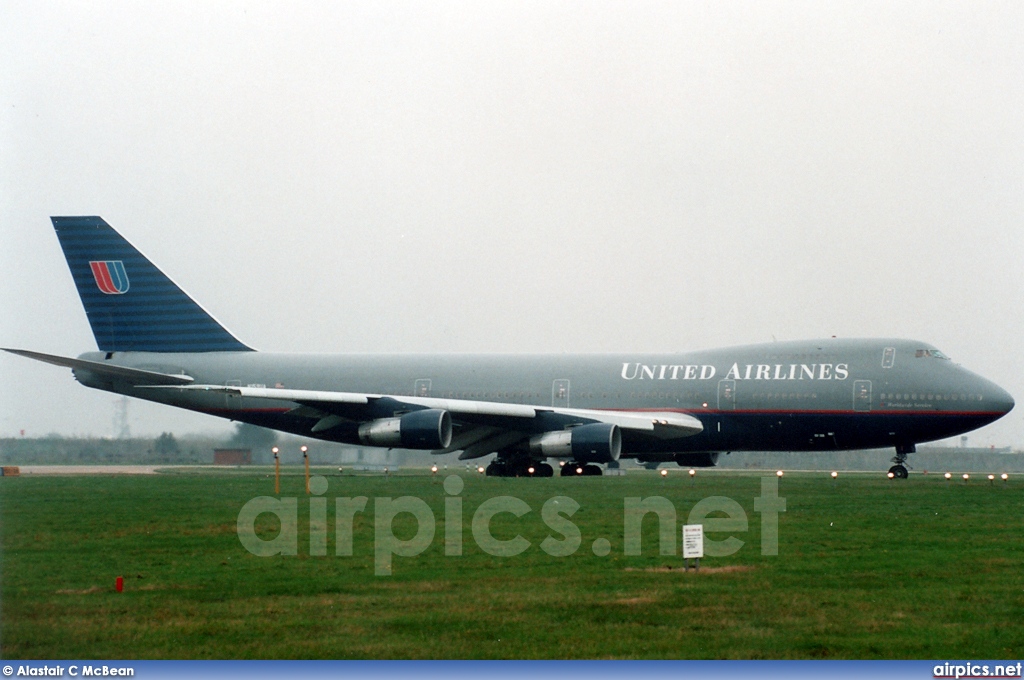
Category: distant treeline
<point>74,451</point>
<point>192,450</point>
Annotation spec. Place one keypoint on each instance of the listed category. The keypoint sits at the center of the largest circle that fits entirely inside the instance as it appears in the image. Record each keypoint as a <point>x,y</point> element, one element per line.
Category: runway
<point>94,469</point>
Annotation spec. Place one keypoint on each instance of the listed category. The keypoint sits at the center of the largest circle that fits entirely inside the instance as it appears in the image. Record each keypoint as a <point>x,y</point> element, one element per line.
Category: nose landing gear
<point>899,470</point>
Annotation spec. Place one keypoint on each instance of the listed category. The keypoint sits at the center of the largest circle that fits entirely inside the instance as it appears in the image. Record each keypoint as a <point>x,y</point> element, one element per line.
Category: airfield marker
<point>305,457</point>
<point>693,545</point>
<point>119,584</point>
<point>991,479</point>
<point>277,473</point>
<point>1004,476</point>
<point>664,473</point>
<point>948,476</point>
<point>693,474</point>
<point>966,477</point>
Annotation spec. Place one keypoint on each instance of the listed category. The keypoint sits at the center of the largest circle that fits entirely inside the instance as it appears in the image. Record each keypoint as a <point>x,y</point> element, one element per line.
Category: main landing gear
<point>899,470</point>
<point>573,469</point>
<point>526,467</point>
<point>501,467</point>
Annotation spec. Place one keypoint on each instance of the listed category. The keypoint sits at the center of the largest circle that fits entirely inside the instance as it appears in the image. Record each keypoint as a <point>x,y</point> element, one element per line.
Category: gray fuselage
<point>795,396</point>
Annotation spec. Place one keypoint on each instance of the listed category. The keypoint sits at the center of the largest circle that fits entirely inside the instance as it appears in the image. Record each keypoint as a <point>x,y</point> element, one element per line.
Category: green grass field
<point>866,568</point>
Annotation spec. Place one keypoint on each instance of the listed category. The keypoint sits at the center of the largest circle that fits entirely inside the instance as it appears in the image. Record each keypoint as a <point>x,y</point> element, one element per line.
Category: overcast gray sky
<point>518,177</point>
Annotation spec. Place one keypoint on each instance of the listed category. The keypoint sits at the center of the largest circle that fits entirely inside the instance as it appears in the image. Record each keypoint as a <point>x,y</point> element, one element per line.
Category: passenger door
<point>862,395</point>
<point>726,395</point>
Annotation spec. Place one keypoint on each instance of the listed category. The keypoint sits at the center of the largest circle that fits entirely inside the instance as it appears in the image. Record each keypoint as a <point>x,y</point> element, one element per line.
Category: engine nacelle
<point>698,459</point>
<point>594,443</point>
<point>427,429</point>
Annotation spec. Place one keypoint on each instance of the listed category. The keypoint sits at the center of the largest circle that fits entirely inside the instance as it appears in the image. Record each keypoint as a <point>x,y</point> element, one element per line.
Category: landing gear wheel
<point>496,469</point>
<point>592,471</point>
<point>518,468</point>
<point>571,470</point>
<point>898,472</point>
<point>543,470</point>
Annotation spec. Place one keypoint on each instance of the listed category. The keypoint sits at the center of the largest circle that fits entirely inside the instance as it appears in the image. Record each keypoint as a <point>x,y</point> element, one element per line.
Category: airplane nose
<point>996,399</point>
<point>1003,400</point>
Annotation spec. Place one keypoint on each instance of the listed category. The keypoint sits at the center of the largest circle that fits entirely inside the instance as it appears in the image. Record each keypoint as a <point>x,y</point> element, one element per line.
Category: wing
<point>479,427</point>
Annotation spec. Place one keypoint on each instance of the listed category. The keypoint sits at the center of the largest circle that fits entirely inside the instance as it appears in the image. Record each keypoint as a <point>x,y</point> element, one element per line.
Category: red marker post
<point>119,584</point>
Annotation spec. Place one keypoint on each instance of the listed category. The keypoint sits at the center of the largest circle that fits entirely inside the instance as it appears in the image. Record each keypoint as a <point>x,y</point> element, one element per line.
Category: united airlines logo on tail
<point>111,278</point>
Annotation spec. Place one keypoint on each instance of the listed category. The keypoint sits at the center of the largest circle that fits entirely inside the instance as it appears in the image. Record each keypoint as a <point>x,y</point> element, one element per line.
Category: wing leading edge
<point>486,425</point>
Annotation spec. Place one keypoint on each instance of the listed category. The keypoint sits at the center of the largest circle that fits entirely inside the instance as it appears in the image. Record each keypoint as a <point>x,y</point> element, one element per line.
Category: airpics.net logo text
<point>1008,669</point>
<point>719,515</point>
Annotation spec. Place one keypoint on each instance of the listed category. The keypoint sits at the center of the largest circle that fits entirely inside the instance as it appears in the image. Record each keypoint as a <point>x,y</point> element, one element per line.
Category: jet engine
<point>594,443</point>
<point>427,429</point>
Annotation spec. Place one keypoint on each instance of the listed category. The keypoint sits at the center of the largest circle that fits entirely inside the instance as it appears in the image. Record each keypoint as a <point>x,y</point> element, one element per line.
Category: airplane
<point>158,344</point>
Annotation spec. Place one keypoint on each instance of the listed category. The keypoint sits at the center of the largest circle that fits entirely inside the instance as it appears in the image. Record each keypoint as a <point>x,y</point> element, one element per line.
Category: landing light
<point>530,469</point>
<point>664,473</point>
<point>303,449</point>
<point>890,475</point>
<point>834,474</point>
<point>779,473</point>
<point>480,469</point>
<point>433,469</point>
<point>1004,476</point>
<point>966,476</point>
<point>991,478</point>
<point>561,463</point>
<point>693,473</point>
<point>948,476</point>
<point>579,470</point>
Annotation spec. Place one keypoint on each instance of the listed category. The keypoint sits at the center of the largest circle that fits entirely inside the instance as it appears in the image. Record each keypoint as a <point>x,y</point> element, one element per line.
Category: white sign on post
<point>693,541</point>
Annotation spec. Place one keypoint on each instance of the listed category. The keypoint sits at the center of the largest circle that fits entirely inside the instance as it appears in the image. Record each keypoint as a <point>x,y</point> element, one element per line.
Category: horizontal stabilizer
<point>135,376</point>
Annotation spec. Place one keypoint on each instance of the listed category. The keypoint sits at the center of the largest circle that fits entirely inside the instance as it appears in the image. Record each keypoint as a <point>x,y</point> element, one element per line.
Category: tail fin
<point>132,306</point>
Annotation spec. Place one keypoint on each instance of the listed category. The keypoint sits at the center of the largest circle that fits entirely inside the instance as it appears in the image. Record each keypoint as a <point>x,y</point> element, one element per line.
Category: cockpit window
<point>932,353</point>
